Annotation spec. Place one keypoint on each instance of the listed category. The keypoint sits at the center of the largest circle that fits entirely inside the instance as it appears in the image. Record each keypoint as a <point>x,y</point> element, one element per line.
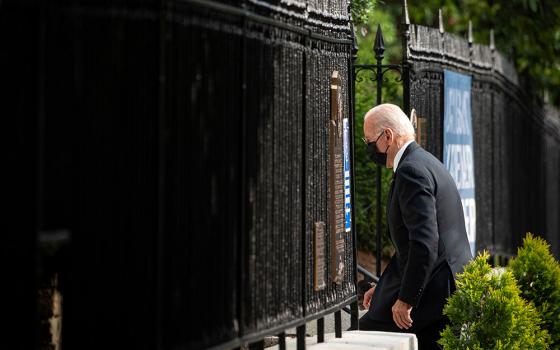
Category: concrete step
<point>311,327</point>
<point>359,340</point>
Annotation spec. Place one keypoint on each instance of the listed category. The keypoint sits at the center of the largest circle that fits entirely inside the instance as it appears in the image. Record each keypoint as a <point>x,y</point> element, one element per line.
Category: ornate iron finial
<point>470,38</point>
<point>379,46</point>
<point>405,17</point>
<point>440,16</point>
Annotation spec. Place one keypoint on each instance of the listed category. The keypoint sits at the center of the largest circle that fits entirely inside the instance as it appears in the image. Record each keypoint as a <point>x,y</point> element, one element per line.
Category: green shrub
<point>487,312</point>
<point>538,277</point>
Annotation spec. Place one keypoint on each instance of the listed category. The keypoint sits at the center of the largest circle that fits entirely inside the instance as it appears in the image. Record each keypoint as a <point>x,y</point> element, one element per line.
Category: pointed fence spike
<point>406,18</point>
<point>405,31</point>
<point>470,37</point>
<point>379,46</point>
<point>440,16</point>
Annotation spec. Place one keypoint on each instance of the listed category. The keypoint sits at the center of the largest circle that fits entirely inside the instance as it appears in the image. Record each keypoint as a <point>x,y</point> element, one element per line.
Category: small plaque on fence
<point>319,256</point>
<point>336,181</point>
<point>422,132</point>
<point>420,126</point>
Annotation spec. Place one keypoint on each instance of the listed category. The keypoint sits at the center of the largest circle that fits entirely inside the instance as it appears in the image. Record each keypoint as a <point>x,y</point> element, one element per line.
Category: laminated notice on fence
<point>347,203</point>
<point>336,182</point>
<point>458,144</point>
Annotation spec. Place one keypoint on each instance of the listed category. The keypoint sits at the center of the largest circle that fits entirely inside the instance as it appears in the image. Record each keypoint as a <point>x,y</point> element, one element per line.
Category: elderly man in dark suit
<point>426,226</point>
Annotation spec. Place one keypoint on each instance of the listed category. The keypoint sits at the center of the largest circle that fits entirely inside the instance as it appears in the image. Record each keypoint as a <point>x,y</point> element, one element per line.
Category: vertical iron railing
<point>354,307</point>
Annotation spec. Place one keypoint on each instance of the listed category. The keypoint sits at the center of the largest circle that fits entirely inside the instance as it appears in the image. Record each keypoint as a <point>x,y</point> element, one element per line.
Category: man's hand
<point>367,297</point>
<point>401,314</point>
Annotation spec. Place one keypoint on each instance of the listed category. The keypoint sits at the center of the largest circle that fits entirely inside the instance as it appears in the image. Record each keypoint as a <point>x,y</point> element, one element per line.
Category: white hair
<point>390,116</point>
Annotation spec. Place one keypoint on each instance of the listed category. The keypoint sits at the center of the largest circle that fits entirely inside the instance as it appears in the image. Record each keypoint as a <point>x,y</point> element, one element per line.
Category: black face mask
<point>377,157</point>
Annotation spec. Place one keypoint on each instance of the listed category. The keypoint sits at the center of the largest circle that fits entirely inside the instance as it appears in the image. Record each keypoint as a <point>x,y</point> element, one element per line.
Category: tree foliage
<point>361,10</point>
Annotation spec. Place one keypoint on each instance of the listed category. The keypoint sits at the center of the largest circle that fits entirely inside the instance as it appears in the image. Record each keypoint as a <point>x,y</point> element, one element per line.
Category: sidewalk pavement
<point>358,340</point>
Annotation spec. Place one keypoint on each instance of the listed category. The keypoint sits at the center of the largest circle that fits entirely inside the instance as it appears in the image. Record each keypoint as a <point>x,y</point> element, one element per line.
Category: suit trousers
<point>427,336</point>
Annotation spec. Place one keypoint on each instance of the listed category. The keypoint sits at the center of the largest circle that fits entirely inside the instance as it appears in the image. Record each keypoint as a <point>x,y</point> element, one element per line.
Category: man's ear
<point>390,136</point>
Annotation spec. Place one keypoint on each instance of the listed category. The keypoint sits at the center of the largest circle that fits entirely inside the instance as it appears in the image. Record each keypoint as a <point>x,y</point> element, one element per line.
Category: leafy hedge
<point>538,276</point>
<point>487,312</point>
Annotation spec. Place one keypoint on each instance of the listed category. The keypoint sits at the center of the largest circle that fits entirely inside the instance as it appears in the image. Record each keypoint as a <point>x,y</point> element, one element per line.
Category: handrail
<point>367,274</point>
<point>368,277</point>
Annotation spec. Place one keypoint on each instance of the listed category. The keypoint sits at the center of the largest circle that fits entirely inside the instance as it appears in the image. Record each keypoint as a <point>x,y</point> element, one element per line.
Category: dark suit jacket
<point>427,228</point>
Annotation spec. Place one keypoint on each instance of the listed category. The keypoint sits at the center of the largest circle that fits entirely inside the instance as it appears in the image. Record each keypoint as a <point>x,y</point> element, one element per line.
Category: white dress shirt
<point>399,154</point>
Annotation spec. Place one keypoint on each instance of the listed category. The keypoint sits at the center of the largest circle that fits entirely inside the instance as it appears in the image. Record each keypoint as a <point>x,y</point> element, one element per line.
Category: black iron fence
<point>178,152</point>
